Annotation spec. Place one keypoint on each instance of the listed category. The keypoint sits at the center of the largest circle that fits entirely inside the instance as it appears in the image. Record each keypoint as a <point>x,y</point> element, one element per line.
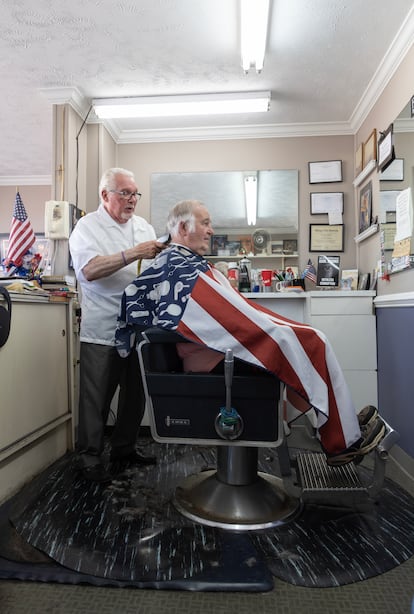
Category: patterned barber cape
<point>183,293</point>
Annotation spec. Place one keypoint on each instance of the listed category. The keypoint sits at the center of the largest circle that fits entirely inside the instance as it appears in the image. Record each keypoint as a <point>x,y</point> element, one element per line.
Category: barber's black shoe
<point>133,458</point>
<point>96,473</point>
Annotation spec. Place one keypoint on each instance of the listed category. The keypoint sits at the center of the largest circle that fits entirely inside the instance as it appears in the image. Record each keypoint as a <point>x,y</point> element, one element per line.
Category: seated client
<point>182,292</point>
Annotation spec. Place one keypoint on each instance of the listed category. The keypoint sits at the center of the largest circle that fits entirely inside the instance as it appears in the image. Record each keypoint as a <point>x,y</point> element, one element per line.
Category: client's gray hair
<point>182,212</point>
<point>108,181</point>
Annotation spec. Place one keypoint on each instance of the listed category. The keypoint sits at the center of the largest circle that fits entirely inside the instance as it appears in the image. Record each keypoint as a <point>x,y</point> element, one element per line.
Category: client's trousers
<point>101,371</point>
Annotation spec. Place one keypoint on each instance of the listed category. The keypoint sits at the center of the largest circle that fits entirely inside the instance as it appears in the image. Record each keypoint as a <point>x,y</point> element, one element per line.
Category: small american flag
<point>310,272</point>
<point>21,236</point>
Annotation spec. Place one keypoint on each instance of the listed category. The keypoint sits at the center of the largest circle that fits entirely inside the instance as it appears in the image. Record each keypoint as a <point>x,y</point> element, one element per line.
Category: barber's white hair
<point>108,181</point>
<point>182,212</point>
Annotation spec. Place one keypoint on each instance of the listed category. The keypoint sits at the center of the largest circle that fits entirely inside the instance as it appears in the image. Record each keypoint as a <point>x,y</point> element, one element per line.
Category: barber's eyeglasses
<point>127,195</point>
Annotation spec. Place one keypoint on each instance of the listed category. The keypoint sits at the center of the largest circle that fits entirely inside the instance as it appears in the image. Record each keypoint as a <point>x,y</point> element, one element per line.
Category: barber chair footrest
<point>259,505</point>
<point>323,484</point>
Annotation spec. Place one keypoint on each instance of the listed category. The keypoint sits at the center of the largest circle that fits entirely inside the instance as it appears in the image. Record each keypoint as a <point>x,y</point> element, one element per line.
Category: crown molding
<point>67,95</point>
<point>17,180</point>
<point>200,133</point>
<point>395,55</point>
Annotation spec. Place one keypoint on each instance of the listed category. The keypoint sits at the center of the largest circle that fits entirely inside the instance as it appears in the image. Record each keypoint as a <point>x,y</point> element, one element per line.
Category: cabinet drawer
<point>341,305</point>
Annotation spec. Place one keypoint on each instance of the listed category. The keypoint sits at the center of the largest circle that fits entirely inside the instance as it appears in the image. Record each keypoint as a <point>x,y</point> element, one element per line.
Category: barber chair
<point>239,414</point>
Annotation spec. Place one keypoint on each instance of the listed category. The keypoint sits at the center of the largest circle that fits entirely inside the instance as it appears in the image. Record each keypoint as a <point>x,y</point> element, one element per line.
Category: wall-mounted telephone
<point>57,219</point>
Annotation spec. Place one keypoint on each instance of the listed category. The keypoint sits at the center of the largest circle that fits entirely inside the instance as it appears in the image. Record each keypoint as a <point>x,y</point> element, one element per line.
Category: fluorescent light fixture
<point>250,194</point>
<point>254,15</point>
<point>167,106</point>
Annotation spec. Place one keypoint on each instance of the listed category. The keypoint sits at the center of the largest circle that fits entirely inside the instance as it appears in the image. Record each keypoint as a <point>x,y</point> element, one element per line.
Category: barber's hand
<point>149,249</point>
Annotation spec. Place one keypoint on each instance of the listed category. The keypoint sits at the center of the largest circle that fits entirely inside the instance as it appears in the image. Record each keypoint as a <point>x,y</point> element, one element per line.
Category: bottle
<point>244,275</point>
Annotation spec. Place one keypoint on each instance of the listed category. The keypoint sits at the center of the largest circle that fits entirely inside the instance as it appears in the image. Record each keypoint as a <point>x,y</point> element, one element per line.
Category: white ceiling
<point>326,63</point>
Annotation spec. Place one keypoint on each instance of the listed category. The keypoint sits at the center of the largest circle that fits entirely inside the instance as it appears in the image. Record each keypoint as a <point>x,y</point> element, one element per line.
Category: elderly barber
<point>107,248</point>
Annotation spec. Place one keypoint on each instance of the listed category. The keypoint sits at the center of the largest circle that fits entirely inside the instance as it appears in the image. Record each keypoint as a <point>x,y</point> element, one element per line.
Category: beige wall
<point>33,197</point>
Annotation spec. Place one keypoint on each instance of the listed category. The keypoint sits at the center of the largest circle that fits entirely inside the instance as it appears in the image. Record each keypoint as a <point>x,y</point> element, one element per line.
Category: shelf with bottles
<point>262,244</point>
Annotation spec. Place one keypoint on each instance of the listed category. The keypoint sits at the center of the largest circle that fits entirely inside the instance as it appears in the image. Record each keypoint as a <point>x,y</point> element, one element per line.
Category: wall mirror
<point>224,194</point>
<point>397,177</point>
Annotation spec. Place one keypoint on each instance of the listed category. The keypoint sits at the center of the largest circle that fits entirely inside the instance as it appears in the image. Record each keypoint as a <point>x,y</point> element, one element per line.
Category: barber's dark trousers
<point>101,371</point>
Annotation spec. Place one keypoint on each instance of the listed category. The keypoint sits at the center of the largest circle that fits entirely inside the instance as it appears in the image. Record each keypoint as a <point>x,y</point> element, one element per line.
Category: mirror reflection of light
<point>250,191</point>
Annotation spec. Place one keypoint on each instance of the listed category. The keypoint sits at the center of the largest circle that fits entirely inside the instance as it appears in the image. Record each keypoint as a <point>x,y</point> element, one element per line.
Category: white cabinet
<point>348,321</point>
<point>347,318</point>
<point>37,390</point>
<point>290,305</point>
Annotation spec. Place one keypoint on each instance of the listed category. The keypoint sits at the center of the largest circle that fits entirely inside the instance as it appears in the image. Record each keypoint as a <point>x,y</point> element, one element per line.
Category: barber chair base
<point>261,504</point>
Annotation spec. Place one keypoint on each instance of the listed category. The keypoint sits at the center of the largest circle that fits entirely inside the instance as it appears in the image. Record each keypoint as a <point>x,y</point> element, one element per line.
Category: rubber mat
<point>63,529</point>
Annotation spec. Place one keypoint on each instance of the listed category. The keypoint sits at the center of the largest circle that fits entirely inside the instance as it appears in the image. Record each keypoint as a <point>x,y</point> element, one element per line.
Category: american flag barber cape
<point>183,293</point>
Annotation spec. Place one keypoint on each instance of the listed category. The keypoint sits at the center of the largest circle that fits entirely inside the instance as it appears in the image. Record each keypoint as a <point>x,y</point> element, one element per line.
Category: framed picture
<point>326,202</point>
<point>359,160</point>
<point>290,246</point>
<point>374,279</point>
<point>328,271</point>
<point>349,279</point>
<point>326,238</point>
<point>394,171</point>
<point>389,229</point>
<point>218,243</point>
<point>412,106</point>
<point>246,244</point>
<point>325,172</point>
<point>386,153</point>
<point>388,205</point>
<point>370,148</point>
<point>363,282</point>
<point>41,246</point>
<point>233,247</point>
<point>4,244</point>
<point>365,207</point>
<point>276,247</point>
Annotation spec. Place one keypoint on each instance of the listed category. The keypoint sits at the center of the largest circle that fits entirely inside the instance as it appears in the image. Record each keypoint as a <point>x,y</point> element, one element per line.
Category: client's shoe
<point>133,458</point>
<point>372,433</point>
<point>367,415</point>
<point>96,473</point>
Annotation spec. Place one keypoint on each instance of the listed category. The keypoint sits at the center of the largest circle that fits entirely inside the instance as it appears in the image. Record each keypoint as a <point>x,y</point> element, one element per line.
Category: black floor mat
<point>60,528</point>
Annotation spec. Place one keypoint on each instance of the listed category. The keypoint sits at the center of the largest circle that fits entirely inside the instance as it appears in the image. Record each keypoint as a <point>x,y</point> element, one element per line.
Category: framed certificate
<point>370,148</point>
<point>359,161</point>
<point>386,152</point>
<point>394,171</point>
<point>326,202</point>
<point>326,238</point>
<point>325,172</point>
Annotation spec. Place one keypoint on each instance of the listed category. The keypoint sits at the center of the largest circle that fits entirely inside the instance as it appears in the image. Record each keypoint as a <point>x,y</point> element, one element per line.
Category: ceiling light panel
<point>169,106</point>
